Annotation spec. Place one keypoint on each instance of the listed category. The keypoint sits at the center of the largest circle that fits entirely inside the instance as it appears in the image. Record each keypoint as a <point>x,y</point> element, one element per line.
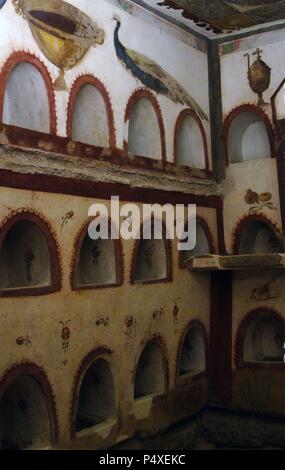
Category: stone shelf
<point>237,262</point>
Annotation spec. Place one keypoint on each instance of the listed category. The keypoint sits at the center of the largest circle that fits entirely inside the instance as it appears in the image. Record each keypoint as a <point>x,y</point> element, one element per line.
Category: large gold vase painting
<point>63,32</point>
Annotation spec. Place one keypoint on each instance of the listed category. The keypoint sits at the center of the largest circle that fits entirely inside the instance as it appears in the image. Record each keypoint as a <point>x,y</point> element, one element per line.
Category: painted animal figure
<point>152,75</point>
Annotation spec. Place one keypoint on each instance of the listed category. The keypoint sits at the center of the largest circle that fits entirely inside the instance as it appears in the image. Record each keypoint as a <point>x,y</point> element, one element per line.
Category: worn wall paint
<point>42,318</point>
<point>119,83</point>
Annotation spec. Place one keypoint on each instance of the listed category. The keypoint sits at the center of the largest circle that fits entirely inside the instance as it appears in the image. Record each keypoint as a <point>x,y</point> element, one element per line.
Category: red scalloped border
<point>182,115</point>
<point>96,353</point>
<point>120,269</point>
<point>79,82</point>
<point>238,229</point>
<point>253,109</point>
<point>241,333</point>
<point>23,56</point>
<point>46,228</point>
<point>145,93</point>
<point>39,374</point>
<point>195,323</point>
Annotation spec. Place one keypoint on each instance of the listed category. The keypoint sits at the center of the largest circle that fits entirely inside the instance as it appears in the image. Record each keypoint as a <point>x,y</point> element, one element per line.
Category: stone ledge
<point>30,161</point>
<point>237,262</point>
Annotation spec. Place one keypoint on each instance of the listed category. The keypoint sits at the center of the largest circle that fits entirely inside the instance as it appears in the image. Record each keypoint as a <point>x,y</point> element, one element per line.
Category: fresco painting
<point>63,32</point>
<point>223,16</point>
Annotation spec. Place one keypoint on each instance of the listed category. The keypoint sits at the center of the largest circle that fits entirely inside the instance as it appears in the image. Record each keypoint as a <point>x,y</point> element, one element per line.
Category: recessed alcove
<point>258,237</point>
<point>90,119</point>
<point>97,263</point>
<point>189,143</point>
<point>263,340</point>
<point>151,261</point>
<point>143,130</point>
<point>26,102</point>
<point>24,417</point>
<point>96,400</point>
<point>150,373</point>
<point>248,138</point>
<point>192,359</point>
<point>202,246</point>
<point>24,257</point>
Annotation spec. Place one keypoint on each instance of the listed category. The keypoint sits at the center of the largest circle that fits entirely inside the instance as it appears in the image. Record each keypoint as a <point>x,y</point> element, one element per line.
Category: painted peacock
<point>152,75</point>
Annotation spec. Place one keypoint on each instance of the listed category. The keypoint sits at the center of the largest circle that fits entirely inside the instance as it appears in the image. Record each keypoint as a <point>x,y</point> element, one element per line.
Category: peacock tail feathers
<point>173,89</point>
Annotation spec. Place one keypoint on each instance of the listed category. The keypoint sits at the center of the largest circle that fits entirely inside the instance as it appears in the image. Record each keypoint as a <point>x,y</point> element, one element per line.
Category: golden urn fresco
<point>259,74</point>
<point>63,32</point>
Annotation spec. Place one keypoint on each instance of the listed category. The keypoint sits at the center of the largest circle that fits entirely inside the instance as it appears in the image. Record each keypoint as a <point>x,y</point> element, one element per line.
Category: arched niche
<point>26,100</point>
<point>192,354</point>
<point>204,244</point>
<point>96,400</point>
<point>98,262</point>
<point>90,117</point>
<point>264,341</point>
<point>248,136</point>
<point>144,133</point>
<point>152,261</point>
<point>24,257</point>
<point>190,141</point>
<point>260,339</point>
<point>257,237</point>
<point>27,413</point>
<point>150,372</point>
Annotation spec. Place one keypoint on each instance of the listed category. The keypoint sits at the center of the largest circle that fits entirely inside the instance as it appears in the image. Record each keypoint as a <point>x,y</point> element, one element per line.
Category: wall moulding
<point>50,183</point>
<point>12,135</point>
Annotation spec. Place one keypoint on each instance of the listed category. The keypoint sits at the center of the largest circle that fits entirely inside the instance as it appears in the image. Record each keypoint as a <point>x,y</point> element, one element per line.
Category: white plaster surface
<point>188,65</point>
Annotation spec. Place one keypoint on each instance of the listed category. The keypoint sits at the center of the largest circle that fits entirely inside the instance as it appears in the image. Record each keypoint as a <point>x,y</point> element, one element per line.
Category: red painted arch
<point>23,56</point>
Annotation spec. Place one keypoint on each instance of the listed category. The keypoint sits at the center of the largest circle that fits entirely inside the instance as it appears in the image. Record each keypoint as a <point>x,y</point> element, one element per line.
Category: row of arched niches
<point>30,255</point>
<point>28,413</point>
<point>27,100</point>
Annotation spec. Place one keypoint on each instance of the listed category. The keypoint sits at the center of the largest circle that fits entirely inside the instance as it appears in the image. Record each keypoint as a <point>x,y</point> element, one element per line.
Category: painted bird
<point>152,75</point>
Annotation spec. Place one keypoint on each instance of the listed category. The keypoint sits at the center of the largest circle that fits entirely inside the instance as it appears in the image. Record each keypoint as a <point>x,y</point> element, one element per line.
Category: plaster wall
<point>256,175</point>
<point>235,86</point>
<point>257,388</point>
<point>188,65</point>
<point>259,176</point>
<point>150,306</point>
